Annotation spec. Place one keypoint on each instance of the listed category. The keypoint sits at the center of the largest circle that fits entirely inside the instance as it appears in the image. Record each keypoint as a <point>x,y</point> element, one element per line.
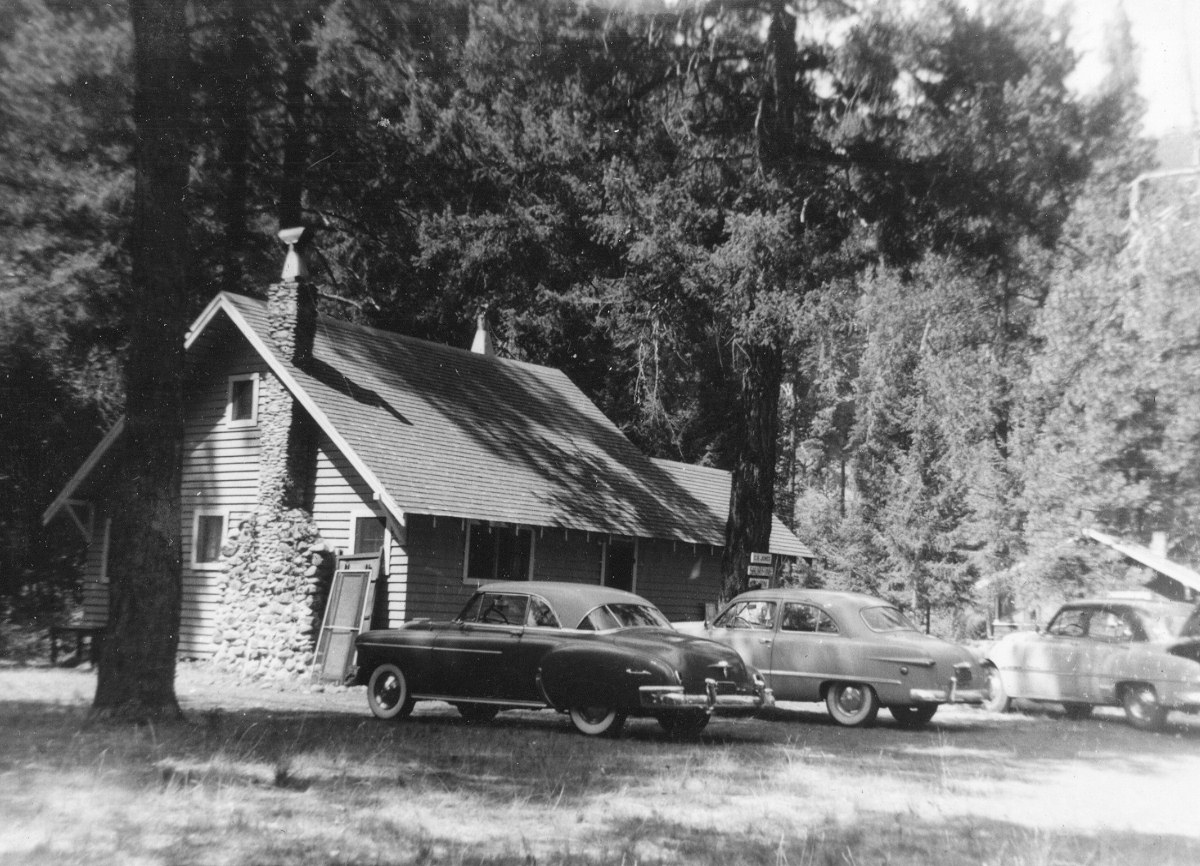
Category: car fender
<point>571,675</point>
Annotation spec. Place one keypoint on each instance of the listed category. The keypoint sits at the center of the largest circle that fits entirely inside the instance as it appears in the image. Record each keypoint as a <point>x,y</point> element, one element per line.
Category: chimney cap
<point>483,336</point>
<point>293,265</point>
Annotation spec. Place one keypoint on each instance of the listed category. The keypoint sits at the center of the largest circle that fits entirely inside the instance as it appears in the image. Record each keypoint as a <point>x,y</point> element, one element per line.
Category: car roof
<point>831,598</point>
<point>570,601</point>
<point>1155,605</point>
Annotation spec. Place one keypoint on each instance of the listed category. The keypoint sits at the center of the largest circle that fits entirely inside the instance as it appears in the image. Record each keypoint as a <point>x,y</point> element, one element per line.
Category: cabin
<point>308,438</point>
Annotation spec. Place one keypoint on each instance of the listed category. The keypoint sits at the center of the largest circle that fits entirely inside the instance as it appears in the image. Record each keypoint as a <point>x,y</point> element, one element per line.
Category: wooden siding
<point>339,496</point>
<point>95,578</point>
<point>220,473</point>
<point>435,566</point>
<point>576,557</point>
<point>678,577</point>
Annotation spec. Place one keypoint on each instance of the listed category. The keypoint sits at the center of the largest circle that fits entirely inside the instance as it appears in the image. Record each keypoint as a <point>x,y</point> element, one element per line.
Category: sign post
<point>760,571</point>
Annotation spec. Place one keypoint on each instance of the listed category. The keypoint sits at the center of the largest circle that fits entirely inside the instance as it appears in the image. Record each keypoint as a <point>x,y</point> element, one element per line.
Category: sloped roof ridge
<point>384,333</point>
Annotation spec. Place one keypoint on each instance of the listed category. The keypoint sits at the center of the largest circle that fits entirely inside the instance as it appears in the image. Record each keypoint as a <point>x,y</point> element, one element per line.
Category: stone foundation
<point>273,591</point>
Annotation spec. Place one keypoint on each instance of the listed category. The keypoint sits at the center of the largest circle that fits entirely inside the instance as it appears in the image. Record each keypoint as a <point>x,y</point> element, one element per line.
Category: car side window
<point>502,609</point>
<point>1109,626</point>
<point>806,618</point>
<point>540,615</point>
<point>748,614</point>
<point>1071,622</point>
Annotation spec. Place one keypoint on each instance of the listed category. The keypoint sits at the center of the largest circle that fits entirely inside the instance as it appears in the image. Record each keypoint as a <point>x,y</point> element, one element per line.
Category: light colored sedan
<point>854,652</point>
<point>1142,654</point>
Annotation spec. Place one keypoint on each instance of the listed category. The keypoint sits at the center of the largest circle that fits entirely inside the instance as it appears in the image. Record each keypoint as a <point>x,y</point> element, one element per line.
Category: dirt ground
<point>1035,771</point>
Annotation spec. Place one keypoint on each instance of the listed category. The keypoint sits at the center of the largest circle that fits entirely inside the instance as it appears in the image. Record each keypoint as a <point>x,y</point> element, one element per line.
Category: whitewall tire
<point>388,695</point>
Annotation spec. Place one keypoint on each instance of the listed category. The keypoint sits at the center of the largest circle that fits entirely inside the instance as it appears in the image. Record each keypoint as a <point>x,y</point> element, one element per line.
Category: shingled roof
<point>442,431</point>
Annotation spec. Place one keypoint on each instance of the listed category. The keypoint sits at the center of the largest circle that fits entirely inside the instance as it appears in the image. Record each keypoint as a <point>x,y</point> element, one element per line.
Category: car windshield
<point>886,619</point>
<point>1191,628</point>
<point>611,616</point>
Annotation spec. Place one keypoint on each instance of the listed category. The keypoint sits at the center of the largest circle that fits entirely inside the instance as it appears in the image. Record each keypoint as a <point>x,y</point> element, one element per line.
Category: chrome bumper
<point>952,694</point>
<point>675,698</point>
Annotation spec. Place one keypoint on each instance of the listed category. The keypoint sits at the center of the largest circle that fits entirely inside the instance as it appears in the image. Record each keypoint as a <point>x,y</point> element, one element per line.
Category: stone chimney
<point>277,567</point>
<point>483,336</point>
<point>292,304</point>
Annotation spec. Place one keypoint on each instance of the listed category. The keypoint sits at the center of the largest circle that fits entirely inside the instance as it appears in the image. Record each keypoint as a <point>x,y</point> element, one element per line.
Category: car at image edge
<point>855,652</point>
<point>1139,654</point>
<point>596,653</point>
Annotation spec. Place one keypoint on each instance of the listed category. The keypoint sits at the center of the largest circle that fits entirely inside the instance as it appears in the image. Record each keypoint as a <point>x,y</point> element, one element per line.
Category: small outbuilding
<point>308,437</point>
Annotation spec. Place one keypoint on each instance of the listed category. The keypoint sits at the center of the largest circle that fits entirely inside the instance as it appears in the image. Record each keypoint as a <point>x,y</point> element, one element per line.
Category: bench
<point>93,634</point>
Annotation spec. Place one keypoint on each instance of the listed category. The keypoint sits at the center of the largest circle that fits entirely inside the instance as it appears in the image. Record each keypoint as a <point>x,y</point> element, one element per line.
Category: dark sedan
<point>854,652</point>
<point>596,653</point>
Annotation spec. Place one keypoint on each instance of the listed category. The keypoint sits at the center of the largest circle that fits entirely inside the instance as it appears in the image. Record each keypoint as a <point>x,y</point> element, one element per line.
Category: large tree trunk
<point>295,135</point>
<point>233,99</point>
<point>137,667</point>
<point>752,493</point>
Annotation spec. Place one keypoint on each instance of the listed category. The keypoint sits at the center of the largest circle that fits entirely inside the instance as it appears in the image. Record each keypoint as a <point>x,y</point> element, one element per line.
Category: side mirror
<point>707,624</point>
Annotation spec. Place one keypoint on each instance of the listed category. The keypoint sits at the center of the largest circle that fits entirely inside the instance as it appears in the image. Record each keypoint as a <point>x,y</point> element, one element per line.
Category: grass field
<point>260,776</point>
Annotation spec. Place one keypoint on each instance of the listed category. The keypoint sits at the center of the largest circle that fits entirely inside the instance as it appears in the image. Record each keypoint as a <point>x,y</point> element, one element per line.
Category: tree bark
<point>752,489</point>
<point>136,679</point>
<point>295,136</point>
<point>234,106</point>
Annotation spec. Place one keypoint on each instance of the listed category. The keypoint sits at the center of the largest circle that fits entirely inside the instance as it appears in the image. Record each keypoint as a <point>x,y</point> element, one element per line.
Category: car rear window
<point>886,619</point>
<point>611,616</point>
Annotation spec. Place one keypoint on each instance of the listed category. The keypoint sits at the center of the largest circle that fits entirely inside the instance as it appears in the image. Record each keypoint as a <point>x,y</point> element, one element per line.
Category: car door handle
<point>765,640</point>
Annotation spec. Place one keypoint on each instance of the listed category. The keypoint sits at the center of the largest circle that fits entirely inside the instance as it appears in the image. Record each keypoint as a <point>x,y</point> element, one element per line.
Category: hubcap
<point>388,691</point>
<point>1143,703</point>
<point>851,699</point>
<point>593,715</point>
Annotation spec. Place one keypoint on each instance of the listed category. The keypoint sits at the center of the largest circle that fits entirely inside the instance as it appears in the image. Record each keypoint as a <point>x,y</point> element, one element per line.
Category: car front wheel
<point>852,705</point>
<point>387,693</point>
<point>683,723</point>
<point>599,721</point>
<point>913,716</point>
<point>1142,707</point>
<point>996,699</point>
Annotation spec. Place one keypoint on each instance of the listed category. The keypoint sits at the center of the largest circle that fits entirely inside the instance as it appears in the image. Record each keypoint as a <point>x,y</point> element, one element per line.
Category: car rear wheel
<point>913,716</point>
<point>852,705</point>
<point>1142,708</point>
<point>598,721</point>
<point>387,693</point>
<point>1077,712</point>
<point>477,714</point>
<point>683,723</point>
<point>996,699</point>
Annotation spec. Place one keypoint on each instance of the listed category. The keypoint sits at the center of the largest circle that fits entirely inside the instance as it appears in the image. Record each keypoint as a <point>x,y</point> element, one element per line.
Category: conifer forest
<point>881,261</point>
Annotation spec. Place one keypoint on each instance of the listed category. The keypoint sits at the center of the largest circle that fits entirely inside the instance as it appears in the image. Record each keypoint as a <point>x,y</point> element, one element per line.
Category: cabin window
<point>242,405</point>
<point>368,534</point>
<point>208,535</point>
<point>498,553</point>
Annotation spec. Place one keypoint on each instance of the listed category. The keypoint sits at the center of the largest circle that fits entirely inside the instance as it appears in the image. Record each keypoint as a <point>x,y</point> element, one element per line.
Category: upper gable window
<point>241,408</point>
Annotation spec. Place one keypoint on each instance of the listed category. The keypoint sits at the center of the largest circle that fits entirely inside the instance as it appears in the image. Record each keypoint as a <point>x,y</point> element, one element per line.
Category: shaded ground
<point>264,775</point>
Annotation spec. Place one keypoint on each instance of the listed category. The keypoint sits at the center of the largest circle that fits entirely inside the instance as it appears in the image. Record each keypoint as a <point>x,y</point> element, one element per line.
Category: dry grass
<point>263,777</point>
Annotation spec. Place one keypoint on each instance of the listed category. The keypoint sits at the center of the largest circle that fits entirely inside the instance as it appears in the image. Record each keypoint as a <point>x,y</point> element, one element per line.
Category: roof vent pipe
<point>483,337</point>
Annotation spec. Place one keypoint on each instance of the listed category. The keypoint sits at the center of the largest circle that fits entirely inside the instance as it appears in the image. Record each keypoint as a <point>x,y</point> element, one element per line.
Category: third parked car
<point>1142,654</point>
